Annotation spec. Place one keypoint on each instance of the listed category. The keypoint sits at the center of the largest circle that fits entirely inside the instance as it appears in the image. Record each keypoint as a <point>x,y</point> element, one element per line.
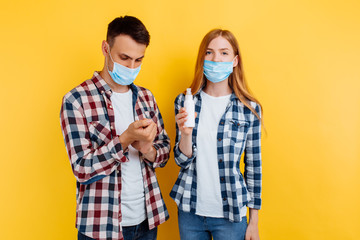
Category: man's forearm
<point>151,155</point>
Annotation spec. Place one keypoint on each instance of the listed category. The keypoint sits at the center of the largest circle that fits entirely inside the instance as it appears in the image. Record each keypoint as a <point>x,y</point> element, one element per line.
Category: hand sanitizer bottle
<point>189,105</point>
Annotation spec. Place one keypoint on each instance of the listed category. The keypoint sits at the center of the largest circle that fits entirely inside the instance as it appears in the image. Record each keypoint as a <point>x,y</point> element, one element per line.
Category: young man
<point>115,138</point>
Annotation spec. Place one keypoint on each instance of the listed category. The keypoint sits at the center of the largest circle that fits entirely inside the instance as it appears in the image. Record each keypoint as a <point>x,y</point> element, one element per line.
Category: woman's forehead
<point>219,43</point>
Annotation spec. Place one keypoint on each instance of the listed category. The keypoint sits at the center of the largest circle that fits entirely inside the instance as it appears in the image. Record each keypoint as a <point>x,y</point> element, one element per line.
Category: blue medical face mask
<point>217,71</point>
<point>121,74</point>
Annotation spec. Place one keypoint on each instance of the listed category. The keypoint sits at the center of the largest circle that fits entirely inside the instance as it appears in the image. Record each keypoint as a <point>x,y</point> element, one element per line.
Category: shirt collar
<point>104,87</point>
<point>197,94</point>
<point>100,83</point>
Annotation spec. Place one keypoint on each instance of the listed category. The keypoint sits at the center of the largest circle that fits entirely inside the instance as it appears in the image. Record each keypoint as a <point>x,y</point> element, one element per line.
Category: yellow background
<point>301,59</point>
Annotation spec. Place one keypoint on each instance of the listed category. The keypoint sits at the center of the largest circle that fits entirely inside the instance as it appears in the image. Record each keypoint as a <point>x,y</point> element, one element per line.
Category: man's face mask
<point>122,75</point>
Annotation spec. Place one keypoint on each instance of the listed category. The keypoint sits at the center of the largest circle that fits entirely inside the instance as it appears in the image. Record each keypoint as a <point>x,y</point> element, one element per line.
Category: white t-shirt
<point>132,188</point>
<point>209,200</point>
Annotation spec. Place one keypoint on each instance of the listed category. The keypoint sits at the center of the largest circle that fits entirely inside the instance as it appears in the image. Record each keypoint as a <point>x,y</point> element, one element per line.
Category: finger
<point>182,110</point>
<point>150,126</point>
<point>149,133</point>
<point>181,121</point>
<point>180,116</point>
<point>154,126</point>
<point>153,134</point>
<point>149,129</point>
<point>142,123</point>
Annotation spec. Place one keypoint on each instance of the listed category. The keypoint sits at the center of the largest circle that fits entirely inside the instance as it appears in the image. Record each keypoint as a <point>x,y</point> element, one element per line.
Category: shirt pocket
<point>236,131</point>
<point>100,132</point>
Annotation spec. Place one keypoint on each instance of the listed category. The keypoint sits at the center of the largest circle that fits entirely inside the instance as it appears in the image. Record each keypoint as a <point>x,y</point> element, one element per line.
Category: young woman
<point>211,193</point>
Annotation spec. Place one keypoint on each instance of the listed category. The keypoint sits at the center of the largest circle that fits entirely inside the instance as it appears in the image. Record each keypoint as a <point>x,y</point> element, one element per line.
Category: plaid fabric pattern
<point>95,153</point>
<point>239,131</point>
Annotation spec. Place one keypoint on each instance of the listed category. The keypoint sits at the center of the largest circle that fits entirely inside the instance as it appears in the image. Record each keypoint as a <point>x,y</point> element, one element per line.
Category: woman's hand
<point>252,231</point>
<point>180,119</point>
<point>185,144</point>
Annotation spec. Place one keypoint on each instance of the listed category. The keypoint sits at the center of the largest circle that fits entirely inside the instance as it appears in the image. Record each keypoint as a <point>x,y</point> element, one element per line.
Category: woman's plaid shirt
<point>239,131</point>
<point>95,152</point>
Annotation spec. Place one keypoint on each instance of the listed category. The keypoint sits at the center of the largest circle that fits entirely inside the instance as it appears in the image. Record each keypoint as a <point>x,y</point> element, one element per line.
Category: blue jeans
<point>195,227</point>
<point>137,232</point>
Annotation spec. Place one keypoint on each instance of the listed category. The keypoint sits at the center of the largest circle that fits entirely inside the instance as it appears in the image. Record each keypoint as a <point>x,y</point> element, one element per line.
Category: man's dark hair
<point>130,26</point>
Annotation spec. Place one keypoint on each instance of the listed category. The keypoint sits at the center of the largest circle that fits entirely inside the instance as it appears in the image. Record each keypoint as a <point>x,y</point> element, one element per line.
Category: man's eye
<point>138,60</point>
<point>225,53</point>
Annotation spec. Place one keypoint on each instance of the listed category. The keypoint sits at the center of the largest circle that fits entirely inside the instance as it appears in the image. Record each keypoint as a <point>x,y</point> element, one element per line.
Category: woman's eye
<point>208,52</point>
<point>225,53</point>
<point>138,60</point>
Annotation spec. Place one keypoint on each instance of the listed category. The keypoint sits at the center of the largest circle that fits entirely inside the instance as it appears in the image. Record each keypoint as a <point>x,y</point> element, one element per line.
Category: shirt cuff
<point>255,203</point>
<point>117,151</point>
<point>181,159</point>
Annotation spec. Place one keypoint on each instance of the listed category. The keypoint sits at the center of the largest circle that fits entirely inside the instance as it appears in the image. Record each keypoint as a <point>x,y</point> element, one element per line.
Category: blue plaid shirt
<point>239,132</point>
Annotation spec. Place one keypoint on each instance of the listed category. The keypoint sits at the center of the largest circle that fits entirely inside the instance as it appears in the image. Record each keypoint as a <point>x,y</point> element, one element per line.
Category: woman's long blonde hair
<point>237,80</point>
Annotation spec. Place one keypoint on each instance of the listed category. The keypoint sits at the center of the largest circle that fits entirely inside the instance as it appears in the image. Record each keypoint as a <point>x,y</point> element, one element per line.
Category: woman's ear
<point>236,61</point>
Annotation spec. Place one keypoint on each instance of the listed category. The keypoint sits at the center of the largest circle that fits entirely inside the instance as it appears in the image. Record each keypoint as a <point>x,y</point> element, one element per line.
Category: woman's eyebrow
<point>219,49</point>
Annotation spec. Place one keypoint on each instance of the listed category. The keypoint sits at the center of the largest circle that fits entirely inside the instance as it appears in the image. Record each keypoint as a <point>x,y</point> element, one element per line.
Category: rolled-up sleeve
<point>89,164</point>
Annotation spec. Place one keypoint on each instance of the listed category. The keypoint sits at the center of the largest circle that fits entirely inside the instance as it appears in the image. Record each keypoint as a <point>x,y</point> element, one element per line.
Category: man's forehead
<point>124,44</point>
<point>126,41</point>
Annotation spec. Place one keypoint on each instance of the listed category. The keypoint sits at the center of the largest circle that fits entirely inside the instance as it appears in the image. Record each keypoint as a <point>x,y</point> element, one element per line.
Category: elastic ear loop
<point>107,66</point>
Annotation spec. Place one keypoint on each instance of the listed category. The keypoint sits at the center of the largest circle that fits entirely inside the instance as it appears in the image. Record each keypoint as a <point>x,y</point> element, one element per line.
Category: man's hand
<point>133,132</point>
<point>144,144</point>
<point>141,134</point>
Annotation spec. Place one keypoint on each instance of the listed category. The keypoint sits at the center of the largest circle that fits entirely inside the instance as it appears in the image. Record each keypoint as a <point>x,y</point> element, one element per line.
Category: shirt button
<point>222,122</point>
<point>224,198</point>
<point>222,179</point>
<point>110,106</point>
<point>111,127</point>
<point>219,139</point>
<point>238,124</point>
<point>220,160</point>
<point>102,92</point>
<point>117,171</point>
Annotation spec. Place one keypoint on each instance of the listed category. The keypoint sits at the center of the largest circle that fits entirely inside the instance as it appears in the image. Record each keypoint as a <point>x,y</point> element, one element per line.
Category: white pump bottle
<point>189,105</point>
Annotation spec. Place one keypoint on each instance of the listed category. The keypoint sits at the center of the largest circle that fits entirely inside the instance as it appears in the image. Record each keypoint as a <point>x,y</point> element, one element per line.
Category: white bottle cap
<point>188,91</point>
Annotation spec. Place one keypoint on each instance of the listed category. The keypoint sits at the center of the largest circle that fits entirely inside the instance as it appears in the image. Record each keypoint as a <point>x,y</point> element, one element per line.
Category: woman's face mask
<point>218,71</point>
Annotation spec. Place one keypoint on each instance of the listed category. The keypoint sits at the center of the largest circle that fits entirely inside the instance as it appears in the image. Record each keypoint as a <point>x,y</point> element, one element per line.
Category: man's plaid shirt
<point>239,131</point>
<point>95,153</point>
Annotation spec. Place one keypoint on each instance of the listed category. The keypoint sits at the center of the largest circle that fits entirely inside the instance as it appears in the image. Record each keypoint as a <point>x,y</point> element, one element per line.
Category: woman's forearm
<point>185,145</point>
